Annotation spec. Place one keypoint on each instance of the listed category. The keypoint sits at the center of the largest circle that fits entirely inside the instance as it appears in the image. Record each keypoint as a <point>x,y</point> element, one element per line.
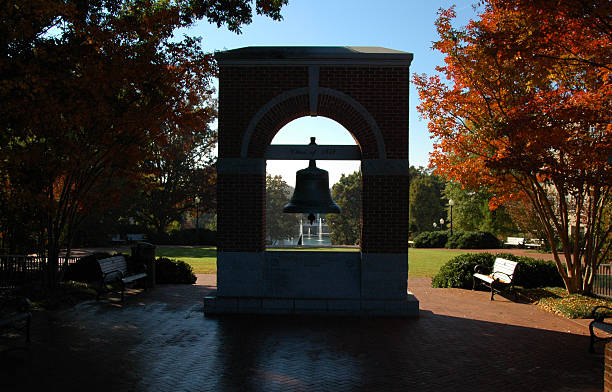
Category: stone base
<point>408,307</point>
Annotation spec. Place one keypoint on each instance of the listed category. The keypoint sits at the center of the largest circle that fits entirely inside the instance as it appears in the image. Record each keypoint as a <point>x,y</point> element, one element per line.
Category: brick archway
<point>260,90</point>
<point>294,104</point>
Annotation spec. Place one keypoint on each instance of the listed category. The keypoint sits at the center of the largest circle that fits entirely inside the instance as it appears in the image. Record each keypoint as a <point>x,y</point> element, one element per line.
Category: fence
<point>603,280</point>
<point>16,270</point>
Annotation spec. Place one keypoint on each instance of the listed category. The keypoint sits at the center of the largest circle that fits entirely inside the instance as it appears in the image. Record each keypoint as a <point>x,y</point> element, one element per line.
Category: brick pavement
<point>159,340</point>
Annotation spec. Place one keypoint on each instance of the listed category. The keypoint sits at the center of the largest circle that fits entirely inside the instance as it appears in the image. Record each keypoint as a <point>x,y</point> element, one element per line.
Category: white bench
<point>534,243</point>
<point>131,238</point>
<point>599,323</point>
<point>114,270</point>
<point>515,241</point>
<point>501,277</point>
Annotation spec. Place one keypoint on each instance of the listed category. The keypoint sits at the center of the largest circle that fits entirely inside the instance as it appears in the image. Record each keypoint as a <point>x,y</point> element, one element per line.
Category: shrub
<point>473,240</point>
<point>431,239</point>
<point>536,273</point>
<point>173,271</point>
<point>458,272</point>
<point>86,269</point>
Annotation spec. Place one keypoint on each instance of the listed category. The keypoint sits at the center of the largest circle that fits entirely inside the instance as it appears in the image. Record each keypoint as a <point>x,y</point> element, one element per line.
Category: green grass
<point>422,262</point>
<point>427,262</point>
<point>202,260</point>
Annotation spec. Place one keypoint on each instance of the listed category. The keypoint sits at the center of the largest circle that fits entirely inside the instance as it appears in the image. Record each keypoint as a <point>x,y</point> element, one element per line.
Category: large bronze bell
<point>311,193</point>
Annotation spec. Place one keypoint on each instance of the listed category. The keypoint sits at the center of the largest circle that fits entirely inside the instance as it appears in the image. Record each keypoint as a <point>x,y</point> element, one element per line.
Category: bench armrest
<point>599,317</point>
<point>478,268</point>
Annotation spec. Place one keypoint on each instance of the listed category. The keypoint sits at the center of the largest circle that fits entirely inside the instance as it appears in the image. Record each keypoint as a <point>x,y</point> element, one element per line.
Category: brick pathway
<point>160,341</point>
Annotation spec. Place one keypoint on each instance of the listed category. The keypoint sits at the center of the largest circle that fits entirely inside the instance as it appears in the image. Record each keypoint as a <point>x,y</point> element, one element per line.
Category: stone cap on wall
<point>314,55</point>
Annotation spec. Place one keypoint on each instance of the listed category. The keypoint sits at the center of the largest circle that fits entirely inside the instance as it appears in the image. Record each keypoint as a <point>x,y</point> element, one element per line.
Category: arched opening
<point>285,230</point>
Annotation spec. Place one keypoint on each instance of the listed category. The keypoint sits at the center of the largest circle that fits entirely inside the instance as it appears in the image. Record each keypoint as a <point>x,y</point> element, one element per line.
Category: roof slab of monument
<point>314,55</point>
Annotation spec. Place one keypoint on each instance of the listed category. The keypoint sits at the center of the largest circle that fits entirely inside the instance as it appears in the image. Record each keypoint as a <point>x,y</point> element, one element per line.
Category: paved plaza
<point>159,340</point>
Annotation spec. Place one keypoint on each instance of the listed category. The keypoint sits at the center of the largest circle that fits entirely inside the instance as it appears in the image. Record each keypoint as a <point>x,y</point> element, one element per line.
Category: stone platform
<point>408,307</point>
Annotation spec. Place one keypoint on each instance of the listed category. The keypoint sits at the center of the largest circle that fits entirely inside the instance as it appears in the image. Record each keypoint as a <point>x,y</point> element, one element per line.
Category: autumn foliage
<point>92,89</point>
<point>522,107</point>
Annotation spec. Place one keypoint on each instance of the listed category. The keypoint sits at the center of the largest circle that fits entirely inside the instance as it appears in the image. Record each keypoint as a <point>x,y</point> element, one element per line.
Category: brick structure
<point>366,90</point>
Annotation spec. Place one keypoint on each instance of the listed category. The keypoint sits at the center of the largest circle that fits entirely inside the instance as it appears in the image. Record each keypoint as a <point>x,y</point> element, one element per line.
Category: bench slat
<point>132,278</point>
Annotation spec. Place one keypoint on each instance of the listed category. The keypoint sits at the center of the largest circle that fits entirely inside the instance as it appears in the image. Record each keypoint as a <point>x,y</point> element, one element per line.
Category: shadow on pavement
<point>149,344</point>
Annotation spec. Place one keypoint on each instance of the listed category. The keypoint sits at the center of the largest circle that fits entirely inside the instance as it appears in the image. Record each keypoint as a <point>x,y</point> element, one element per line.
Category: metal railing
<point>603,281</point>
<point>17,270</point>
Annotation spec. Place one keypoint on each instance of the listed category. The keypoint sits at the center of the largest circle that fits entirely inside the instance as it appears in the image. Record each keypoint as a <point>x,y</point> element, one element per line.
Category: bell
<point>311,193</point>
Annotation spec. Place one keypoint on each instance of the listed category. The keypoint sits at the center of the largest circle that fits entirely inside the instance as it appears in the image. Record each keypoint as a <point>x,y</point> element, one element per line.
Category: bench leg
<point>591,345</point>
<point>492,291</point>
<point>28,323</point>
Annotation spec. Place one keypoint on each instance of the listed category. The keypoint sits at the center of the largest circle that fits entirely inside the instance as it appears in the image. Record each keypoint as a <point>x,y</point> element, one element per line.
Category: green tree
<point>279,225</point>
<point>471,211</point>
<point>345,227</point>
<point>427,204</point>
<point>180,171</point>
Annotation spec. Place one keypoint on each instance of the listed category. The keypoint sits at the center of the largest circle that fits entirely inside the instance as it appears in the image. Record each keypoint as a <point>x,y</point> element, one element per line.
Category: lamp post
<point>197,203</point>
<point>441,223</point>
<point>435,225</point>
<point>451,203</point>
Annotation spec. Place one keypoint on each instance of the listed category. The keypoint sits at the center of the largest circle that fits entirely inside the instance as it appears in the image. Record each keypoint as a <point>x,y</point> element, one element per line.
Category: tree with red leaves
<point>90,89</point>
<point>525,112</point>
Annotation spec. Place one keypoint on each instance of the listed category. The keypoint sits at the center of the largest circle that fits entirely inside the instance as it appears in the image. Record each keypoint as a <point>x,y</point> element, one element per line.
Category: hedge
<point>431,239</point>
<point>173,271</point>
<point>458,272</point>
<point>473,240</point>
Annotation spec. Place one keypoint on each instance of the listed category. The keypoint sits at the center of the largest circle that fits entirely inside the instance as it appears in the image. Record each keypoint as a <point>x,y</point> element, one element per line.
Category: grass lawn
<point>422,262</point>
<point>202,260</point>
<point>427,262</point>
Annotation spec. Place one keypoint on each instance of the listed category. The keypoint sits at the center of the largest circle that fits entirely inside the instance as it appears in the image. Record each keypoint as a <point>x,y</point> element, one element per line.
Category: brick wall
<point>241,201</point>
<point>382,91</point>
<point>384,214</point>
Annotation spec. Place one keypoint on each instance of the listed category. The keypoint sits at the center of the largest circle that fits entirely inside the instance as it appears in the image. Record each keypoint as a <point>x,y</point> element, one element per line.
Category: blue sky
<point>406,25</point>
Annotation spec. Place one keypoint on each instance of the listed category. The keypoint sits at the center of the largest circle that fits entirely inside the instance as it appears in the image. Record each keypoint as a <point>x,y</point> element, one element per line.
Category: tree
<point>279,225</point>
<point>472,213</point>
<point>525,112</point>
<point>427,204</point>
<point>89,90</point>
<point>345,228</point>
<point>180,171</point>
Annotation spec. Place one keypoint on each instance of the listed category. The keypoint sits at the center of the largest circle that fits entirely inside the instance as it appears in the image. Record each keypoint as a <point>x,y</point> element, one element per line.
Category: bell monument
<point>261,89</point>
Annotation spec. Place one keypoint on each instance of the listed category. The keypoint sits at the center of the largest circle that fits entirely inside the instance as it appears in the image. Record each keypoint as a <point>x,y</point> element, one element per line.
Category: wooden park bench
<point>114,271</point>
<point>500,279</point>
<point>600,324</point>
<point>15,314</point>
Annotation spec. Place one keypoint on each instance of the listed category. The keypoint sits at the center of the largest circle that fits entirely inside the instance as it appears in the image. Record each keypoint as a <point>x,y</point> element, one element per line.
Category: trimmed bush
<point>473,240</point>
<point>431,239</point>
<point>532,273</point>
<point>173,271</point>
<point>86,269</point>
<point>458,272</point>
